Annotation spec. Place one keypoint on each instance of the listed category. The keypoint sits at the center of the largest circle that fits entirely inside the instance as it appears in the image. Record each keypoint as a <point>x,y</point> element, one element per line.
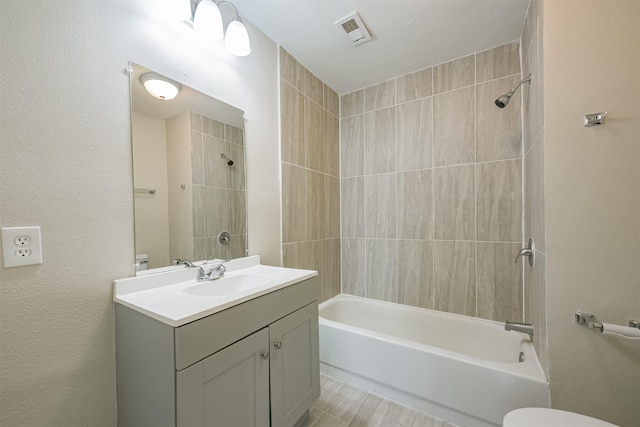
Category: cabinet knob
<point>277,344</point>
<point>265,354</point>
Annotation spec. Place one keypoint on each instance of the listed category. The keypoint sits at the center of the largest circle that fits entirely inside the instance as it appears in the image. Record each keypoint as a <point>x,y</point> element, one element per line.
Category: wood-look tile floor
<point>341,405</point>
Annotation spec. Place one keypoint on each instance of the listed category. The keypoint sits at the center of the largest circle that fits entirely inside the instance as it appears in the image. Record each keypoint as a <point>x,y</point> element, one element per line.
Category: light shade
<point>207,20</point>
<point>236,40</point>
<point>160,87</point>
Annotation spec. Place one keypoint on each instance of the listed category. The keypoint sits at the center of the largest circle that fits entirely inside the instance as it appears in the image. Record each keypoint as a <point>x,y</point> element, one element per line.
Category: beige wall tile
<point>238,246</point>
<point>331,285</point>
<point>216,202</point>
<point>352,146</point>
<point>353,266</point>
<point>414,86</point>
<point>352,207</point>
<point>499,282</point>
<point>533,97</point>
<point>415,134</point>
<point>415,205</point>
<point>380,141</point>
<point>454,203</point>
<point>534,194</point>
<point>292,124</point>
<point>314,135</point>
<point>196,121</point>
<point>499,201</point>
<point>331,226</point>
<point>197,159</point>
<point>331,101</point>
<point>380,205</point>
<point>382,269</point>
<point>291,70</point>
<point>454,128</point>
<point>415,273</point>
<point>297,255</point>
<point>294,204</point>
<point>200,249</point>
<point>454,74</point>
<point>315,205</point>
<point>216,250</point>
<point>498,62</point>
<point>352,103</point>
<point>331,144</point>
<point>238,212</point>
<point>216,171</point>
<point>540,311</point>
<point>199,217</point>
<point>454,280</point>
<point>313,87</point>
<point>317,262</point>
<point>498,130</point>
<point>236,172</point>
<point>233,134</point>
<point>381,95</point>
<point>212,127</point>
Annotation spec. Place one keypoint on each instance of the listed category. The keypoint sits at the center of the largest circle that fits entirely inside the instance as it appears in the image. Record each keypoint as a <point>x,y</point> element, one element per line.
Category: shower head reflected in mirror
<point>503,100</point>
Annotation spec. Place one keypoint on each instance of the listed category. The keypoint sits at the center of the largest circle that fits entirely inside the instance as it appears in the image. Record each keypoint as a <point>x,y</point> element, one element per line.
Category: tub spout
<point>525,328</point>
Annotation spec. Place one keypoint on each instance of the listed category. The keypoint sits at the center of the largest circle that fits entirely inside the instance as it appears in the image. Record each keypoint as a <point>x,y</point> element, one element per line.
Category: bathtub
<point>462,369</point>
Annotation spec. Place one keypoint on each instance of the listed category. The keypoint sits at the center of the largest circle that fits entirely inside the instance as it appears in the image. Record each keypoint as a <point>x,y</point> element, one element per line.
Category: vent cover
<point>354,27</point>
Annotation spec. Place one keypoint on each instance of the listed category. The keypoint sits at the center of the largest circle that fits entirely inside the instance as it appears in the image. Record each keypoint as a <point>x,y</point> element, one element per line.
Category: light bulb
<point>207,20</point>
<point>236,40</point>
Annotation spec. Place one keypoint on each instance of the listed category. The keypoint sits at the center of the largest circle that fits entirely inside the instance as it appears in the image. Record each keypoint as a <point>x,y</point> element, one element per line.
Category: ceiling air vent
<point>354,27</point>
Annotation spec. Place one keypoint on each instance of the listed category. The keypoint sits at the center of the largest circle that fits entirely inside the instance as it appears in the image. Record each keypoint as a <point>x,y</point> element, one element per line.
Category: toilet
<point>544,417</point>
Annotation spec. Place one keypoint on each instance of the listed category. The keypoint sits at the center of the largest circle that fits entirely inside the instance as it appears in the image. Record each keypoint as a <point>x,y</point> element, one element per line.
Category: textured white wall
<point>592,203</point>
<point>66,166</point>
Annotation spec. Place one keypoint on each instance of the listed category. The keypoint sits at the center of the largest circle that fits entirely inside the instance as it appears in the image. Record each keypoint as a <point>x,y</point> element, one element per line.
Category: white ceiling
<point>408,35</point>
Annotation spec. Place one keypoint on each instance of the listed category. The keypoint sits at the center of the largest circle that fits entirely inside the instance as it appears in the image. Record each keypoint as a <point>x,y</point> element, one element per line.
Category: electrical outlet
<point>21,246</point>
<point>23,252</point>
<point>22,240</point>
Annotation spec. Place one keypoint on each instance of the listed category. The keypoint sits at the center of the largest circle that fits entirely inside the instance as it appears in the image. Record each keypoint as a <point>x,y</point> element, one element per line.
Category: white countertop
<point>169,296</point>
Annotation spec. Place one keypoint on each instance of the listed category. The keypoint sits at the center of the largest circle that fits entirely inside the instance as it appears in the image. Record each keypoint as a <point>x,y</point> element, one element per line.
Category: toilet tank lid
<point>535,417</point>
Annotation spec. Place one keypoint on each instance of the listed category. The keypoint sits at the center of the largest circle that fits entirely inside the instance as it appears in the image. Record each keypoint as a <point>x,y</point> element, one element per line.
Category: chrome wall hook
<point>529,251</point>
<point>594,119</point>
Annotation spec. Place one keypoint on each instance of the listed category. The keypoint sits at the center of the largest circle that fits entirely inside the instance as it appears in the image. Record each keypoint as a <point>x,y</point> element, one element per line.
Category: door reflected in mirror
<point>189,172</point>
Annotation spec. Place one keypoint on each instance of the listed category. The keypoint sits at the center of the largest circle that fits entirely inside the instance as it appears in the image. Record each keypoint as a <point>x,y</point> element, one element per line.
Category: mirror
<point>189,177</point>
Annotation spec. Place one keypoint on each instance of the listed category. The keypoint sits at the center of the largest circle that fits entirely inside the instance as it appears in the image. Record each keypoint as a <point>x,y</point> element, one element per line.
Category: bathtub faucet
<point>525,328</point>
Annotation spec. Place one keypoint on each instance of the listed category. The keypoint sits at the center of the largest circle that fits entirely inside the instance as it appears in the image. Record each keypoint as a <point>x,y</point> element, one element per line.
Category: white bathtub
<point>454,367</point>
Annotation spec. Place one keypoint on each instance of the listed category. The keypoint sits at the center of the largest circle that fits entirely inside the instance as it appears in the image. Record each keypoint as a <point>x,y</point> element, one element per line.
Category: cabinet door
<point>227,389</point>
<point>295,366</point>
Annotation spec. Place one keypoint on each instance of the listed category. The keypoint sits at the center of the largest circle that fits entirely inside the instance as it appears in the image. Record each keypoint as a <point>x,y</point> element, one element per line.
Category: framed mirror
<point>189,174</point>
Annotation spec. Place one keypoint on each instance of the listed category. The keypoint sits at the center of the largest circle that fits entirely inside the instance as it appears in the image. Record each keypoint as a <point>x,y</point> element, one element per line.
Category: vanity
<point>237,351</point>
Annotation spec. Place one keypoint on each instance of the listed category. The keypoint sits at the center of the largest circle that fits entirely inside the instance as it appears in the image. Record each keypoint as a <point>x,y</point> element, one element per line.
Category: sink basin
<point>228,286</point>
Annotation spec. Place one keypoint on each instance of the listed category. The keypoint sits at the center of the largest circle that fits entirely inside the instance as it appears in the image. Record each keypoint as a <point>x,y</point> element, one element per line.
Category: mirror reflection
<point>188,174</point>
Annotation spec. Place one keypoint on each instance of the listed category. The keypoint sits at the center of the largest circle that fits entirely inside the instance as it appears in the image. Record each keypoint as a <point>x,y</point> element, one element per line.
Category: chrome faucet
<point>525,328</point>
<point>201,274</point>
<point>217,272</point>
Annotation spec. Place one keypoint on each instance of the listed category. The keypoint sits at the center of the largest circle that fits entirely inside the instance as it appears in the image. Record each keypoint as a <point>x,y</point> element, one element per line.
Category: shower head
<point>503,100</point>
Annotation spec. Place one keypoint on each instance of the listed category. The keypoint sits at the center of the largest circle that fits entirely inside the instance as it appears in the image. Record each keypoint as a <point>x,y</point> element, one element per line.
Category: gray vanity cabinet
<point>254,364</point>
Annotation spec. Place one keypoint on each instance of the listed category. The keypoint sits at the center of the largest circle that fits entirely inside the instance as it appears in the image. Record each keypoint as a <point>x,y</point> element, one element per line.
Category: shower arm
<point>521,82</point>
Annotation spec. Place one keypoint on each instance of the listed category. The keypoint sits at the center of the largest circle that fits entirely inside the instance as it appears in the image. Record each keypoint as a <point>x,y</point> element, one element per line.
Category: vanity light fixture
<point>207,21</point>
<point>159,86</point>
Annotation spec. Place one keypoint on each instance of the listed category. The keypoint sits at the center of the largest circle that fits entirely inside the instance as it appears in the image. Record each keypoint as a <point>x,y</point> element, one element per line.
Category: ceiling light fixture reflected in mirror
<point>159,86</point>
<point>208,23</point>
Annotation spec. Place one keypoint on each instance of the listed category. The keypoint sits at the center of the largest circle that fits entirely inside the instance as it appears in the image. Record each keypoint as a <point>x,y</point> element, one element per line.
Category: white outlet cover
<point>10,253</point>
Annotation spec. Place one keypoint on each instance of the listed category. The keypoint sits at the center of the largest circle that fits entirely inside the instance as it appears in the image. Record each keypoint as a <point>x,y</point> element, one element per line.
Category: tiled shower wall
<point>431,182</point>
<point>534,278</point>
<point>310,174</point>
<point>219,191</point>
